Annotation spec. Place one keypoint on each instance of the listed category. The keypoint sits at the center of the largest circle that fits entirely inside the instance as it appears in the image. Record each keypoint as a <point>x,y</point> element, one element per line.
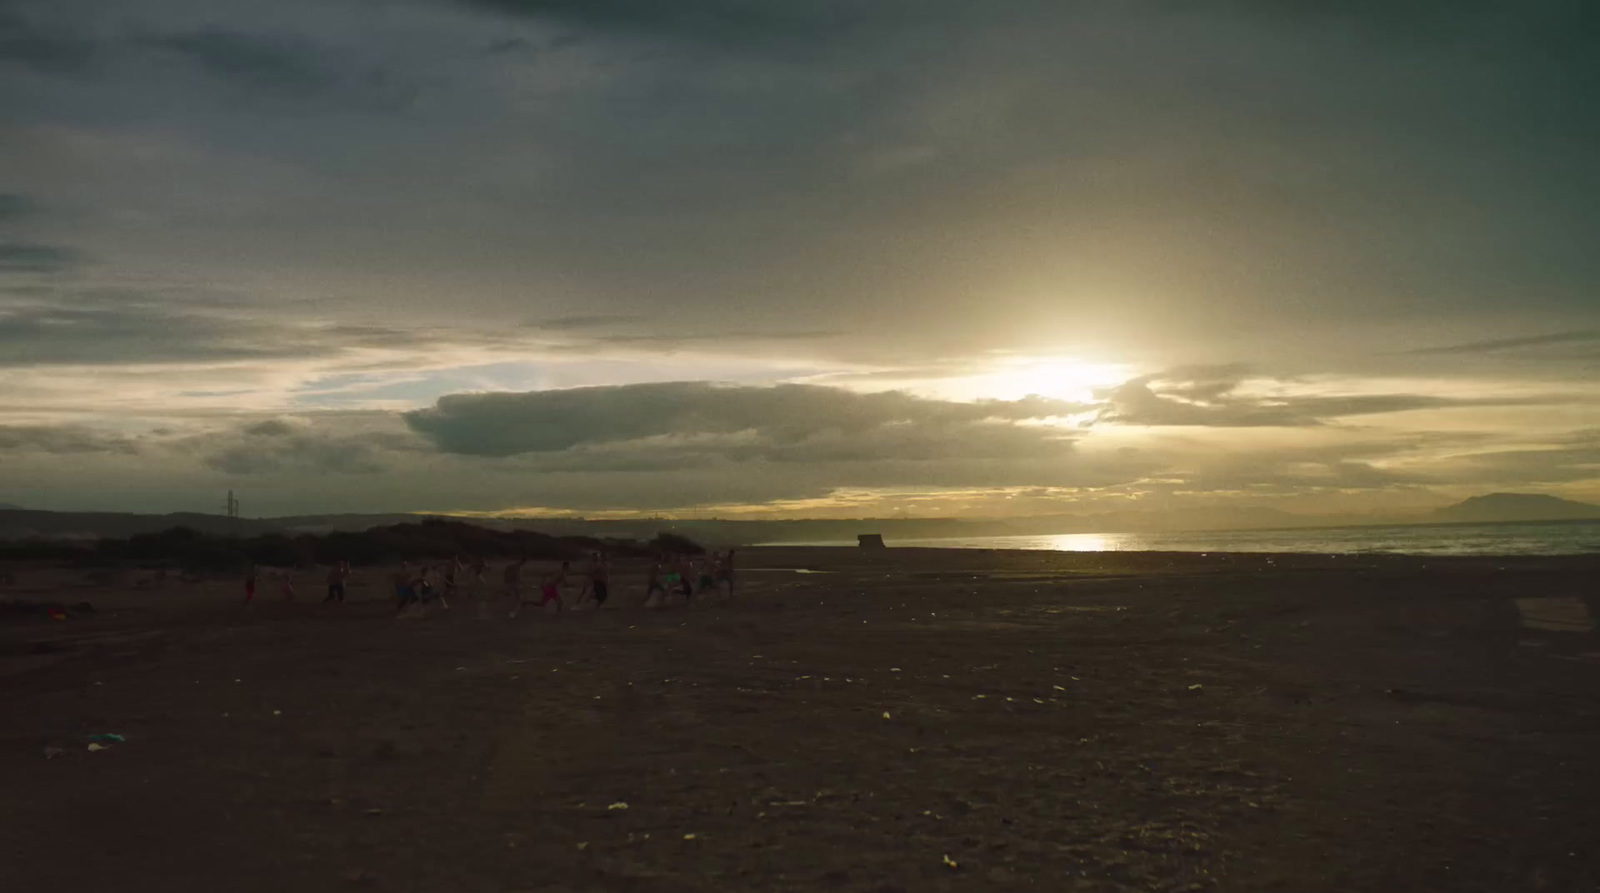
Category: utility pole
<point>233,512</point>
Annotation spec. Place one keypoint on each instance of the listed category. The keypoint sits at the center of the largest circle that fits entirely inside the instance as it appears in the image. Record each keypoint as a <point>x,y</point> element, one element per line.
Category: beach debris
<point>51,753</point>
<point>951,863</point>
<point>1196,687</point>
<point>894,669</point>
<point>1058,688</point>
<point>374,811</point>
<point>277,713</point>
<point>617,806</point>
<point>688,837</point>
<point>885,714</point>
<point>583,845</point>
<point>108,737</point>
<point>93,747</point>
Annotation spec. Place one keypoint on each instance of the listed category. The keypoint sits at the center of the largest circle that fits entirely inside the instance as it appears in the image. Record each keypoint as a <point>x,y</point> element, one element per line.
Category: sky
<point>762,258</point>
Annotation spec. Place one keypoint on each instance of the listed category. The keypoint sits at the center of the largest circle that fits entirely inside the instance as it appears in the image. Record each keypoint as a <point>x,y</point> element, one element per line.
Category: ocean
<point>1529,538</point>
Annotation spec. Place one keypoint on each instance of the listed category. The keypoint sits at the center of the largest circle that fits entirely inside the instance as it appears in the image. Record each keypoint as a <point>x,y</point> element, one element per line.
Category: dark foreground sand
<point>910,721</point>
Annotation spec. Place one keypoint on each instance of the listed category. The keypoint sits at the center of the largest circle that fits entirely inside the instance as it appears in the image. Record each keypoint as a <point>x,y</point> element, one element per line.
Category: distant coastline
<point>1502,508</point>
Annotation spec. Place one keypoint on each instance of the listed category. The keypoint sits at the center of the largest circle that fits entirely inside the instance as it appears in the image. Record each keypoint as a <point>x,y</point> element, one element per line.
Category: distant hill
<point>1516,507</point>
<point>19,524</point>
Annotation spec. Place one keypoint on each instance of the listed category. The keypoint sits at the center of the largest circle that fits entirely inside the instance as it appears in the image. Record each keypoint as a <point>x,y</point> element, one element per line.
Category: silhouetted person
<point>337,575</point>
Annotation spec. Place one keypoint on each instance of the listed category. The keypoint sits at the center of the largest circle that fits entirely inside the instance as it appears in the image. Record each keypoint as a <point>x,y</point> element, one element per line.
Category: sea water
<point>1530,538</point>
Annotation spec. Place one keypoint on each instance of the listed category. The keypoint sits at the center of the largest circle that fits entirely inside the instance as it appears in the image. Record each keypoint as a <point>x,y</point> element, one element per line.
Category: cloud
<point>1573,457</point>
<point>1506,344</point>
<point>286,66</point>
<point>27,257</point>
<point>574,321</point>
<point>278,64</point>
<point>507,424</point>
<point>278,446</point>
<point>61,439</point>
<point>1210,397</point>
<point>136,328</point>
<point>25,43</point>
<point>15,207</point>
<point>733,23</point>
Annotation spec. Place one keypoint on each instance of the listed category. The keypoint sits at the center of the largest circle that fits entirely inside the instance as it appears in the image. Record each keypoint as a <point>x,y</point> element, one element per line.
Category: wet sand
<point>904,721</point>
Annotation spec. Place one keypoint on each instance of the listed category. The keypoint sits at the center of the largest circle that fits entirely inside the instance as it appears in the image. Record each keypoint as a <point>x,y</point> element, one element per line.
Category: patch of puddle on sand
<point>1555,614</point>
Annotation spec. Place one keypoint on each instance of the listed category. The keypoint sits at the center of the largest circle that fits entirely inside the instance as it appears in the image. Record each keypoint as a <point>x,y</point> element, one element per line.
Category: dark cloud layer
<point>279,64</point>
<point>53,50</point>
<point>278,447</point>
<point>27,257</point>
<point>1497,345</point>
<point>141,329</point>
<point>15,207</point>
<point>61,440</point>
<point>739,24</point>
<point>551,421</point>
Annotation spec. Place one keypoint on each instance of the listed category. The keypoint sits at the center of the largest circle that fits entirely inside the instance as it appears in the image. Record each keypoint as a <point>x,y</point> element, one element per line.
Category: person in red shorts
<point>550,592</point>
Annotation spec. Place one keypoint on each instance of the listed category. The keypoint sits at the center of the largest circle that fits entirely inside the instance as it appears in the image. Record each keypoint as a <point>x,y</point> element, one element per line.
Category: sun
<point>1059,378</point>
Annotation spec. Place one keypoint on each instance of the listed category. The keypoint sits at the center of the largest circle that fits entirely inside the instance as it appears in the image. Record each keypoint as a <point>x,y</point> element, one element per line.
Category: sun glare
<point>1058,378</point>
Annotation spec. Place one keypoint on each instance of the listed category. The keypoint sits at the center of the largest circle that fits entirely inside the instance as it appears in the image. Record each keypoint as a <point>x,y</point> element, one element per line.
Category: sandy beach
<point>905,720</point>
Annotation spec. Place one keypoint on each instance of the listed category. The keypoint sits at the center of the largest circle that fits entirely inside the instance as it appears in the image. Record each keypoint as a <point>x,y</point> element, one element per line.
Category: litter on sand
<point>951,862</point>
<point>95,747</point>
<point>618,805</point>
<point>885,714</point>
<point>1196,687</point>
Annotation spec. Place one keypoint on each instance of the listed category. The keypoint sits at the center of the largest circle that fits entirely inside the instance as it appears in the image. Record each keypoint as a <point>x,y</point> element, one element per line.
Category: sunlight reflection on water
<point>1535,538</point>
<point>1084,542</point>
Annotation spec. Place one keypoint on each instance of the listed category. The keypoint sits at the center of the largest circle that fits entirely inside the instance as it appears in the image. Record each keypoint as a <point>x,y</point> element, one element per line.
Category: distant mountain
<point>1516,507</point>
<point>4,506</point>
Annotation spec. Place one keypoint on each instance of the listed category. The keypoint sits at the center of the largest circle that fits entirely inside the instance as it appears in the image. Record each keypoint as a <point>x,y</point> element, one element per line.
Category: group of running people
<point>669,577</point>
